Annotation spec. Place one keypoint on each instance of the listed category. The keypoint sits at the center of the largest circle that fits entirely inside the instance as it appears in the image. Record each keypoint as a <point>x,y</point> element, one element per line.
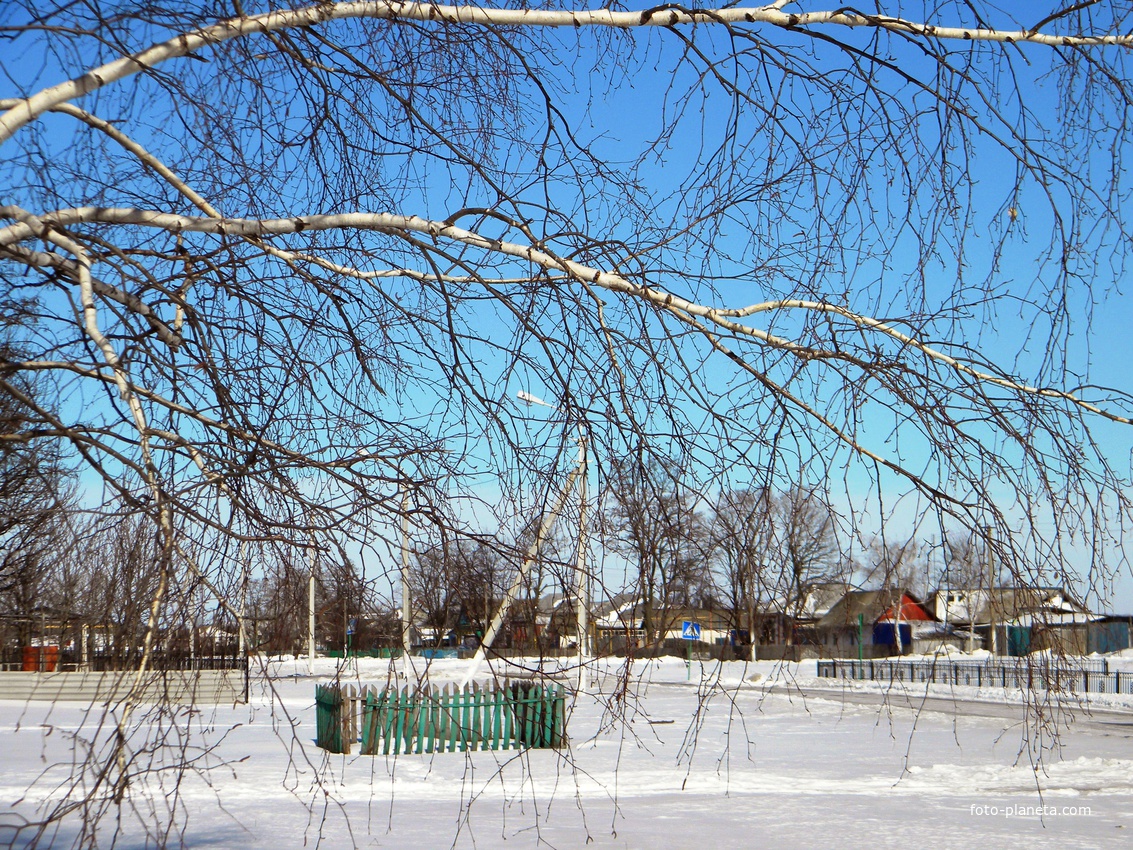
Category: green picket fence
<point>380,652</point>
<point>501,716</point>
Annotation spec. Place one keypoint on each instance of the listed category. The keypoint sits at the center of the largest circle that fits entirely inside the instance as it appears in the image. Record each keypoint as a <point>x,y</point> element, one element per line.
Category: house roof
<point>819,599</point>
<point>619,611</point>
<point>810,603</point>
<point>549,603</point>
<point>1053,618</point>
<point>874,606</point>
<point>1010,603</point>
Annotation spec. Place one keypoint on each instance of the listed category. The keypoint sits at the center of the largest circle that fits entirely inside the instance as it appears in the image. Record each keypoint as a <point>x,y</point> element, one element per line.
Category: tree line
<point>745,552</point>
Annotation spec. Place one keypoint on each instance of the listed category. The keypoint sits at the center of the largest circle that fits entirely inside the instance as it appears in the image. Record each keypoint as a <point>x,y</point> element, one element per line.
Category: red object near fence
<point>41,659</point>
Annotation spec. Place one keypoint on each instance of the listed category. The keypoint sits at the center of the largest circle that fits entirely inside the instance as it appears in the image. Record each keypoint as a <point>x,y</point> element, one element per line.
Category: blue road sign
<point>690,630</point>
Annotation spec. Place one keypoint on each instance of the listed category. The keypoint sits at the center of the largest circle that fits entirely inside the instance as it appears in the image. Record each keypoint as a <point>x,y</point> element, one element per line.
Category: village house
<point>879,623</point>
<point>1018,620</point>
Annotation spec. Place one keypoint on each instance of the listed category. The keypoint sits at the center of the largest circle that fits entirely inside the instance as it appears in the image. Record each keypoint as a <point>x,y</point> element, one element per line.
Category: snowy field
<point>722,756</point>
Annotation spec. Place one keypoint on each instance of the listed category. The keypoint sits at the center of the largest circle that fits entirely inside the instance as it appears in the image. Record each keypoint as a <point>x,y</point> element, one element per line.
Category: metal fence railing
<point>1051,673</point>
<point>50,659</point>
<point>503,716</point>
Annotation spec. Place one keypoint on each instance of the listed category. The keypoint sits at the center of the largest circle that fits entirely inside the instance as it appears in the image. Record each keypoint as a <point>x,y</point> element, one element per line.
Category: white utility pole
<point>991,591</point>
<point>517,585</point>
<point>406,592</point>
<point>583,579</point>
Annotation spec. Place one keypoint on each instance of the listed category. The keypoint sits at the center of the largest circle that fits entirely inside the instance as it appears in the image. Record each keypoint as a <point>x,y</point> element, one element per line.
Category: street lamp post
<point>582,579</point>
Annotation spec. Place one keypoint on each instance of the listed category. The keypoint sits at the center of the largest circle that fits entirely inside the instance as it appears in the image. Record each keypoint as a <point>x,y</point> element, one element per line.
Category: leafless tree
<point>37,510</point>
<point>460,583</point>
<point>121,577</point>
<point>964,560</point>
<point>899,563</point>
<point>654,520</point>
<point>773,549</point>
<point>283,267</point>
<point>809,551</point>
<point>742,536</point>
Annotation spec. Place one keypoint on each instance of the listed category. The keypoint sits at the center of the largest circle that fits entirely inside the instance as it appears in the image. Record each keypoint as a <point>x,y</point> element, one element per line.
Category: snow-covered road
<point>1069,711</point>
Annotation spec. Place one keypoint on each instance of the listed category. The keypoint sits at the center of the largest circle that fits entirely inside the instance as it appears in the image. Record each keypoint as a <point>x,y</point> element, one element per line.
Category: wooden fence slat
<point>528,715</point>
<point>392,704</point>
<point>463,708</point>
<point>487,698</point>
<point>453,720</point>
<point>441,729</point>
<point>369,722</point>
<point>379,719</point>
<point>560,718</point>
<point>490,700</point>
<point>421,717</point>
<point>389,718</point>
<point>443,725</point>
<point>541,736</point>
<point>474,718</point>
<point>497,718</point>
<point>549,714</point>
<point>431,720</point>
<point>477,711</point>
<point>509,719</point>
<point>395,728</point>
<point>347,718</point>
<point>406,722</point>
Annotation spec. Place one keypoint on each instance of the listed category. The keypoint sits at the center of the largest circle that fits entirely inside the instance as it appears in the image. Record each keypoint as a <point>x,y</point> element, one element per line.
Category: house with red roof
<point>879,623</point>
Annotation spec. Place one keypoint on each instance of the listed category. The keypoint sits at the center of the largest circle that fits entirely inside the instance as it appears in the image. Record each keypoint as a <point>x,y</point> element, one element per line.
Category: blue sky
<point>617,112</point>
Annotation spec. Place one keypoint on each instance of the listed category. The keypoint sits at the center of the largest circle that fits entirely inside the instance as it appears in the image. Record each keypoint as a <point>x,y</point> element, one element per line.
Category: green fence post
<point>319,712</point>
<point>509,717</point>
<point>421,719</point>
<point>528,718</point>
<point>545,717</point>
<point>497,719</point>
<point>401,733</point>
<point>434,719</point>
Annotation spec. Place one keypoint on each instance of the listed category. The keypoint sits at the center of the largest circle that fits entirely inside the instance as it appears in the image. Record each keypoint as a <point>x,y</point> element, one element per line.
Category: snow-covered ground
<point>722,756</point>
